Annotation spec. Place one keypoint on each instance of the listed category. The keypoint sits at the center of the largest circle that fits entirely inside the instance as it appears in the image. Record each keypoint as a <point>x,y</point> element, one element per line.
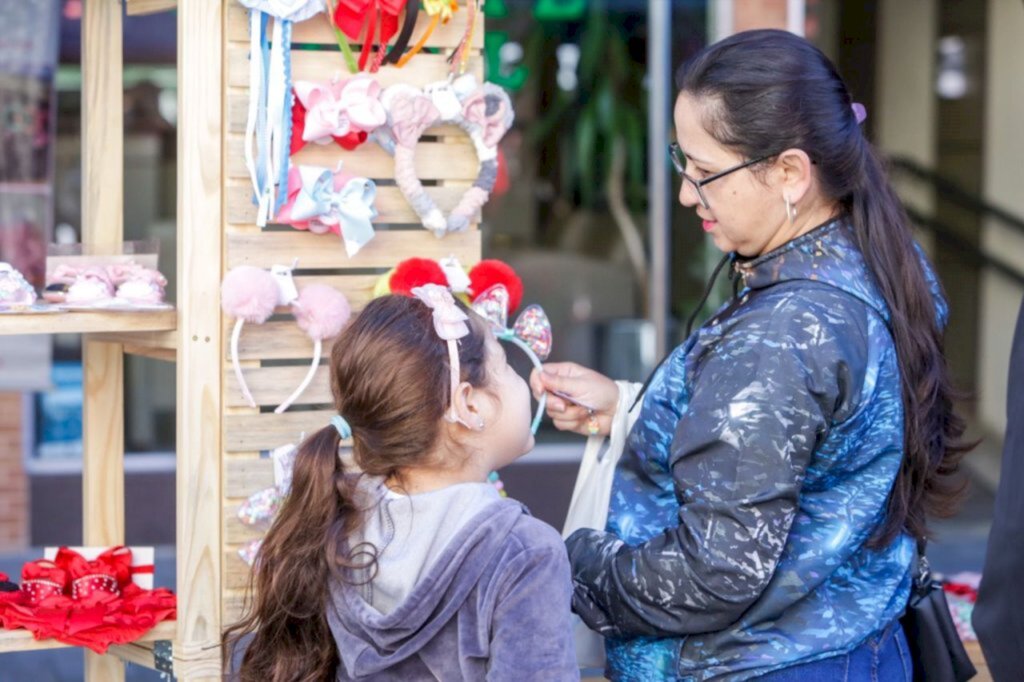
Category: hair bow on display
<point>531,332</point>
<point>345,111</point>
<point>259,510</point>
<point>484,112</point>
<point>321,200</point>
<point>351,16</point>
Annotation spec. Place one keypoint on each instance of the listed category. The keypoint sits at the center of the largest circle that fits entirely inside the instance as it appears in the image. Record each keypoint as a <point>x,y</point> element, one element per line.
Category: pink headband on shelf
<point>484,112</point>
<point>251,294</point>
<point>450,323</point>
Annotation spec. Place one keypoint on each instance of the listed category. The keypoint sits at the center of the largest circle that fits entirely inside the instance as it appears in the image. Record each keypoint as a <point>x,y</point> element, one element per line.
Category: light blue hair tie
<point>339,423</point>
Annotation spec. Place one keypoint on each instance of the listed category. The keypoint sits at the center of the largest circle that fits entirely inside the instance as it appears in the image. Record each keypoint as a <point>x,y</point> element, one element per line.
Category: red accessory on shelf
<point>350,16</point>
<point>491,272</point>
<point>85,602</point>
<point>416,272</point>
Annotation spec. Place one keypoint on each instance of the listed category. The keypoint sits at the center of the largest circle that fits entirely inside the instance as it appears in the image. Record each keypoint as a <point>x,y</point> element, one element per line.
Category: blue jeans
<point>883,657</point>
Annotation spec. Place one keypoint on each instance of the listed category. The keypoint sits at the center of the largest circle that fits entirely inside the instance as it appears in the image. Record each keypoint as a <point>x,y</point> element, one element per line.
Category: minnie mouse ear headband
<point>448,272</point>
<point>250,294</point>
<point>483,112</point>
<point>494,292</point>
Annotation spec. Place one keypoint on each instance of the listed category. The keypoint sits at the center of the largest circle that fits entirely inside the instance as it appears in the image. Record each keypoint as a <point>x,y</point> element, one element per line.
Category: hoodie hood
<point>371,642</point>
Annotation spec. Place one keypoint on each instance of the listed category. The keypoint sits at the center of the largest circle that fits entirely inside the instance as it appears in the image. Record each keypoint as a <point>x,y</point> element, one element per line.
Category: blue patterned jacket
<point>759,466</point>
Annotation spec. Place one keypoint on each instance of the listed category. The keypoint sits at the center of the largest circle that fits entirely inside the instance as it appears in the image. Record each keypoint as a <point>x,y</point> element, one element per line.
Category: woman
<point>785,457</point>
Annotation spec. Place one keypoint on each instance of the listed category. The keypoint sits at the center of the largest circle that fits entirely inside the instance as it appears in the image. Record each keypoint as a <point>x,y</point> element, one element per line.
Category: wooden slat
<point>276,341</point>
<point>386,249</point>
<point>237,533</point>
<point>244,475</point>
<point>270,386</point>
<point>140,7</point>
<point>102,225</point>
<point>317,30</point>
<point>250,432</point>
<point>236,571</point>
<point>323,65</point>
<point>199,403</point>
<point>392,208</point>
<point>452,160</point>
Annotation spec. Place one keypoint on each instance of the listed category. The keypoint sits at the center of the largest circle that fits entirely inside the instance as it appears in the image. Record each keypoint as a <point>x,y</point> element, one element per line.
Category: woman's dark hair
<point>766,91</point>
<point>390,381</point>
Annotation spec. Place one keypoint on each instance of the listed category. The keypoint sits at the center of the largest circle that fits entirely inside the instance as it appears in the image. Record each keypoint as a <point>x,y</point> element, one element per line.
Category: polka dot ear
<point>322,312</point>
<point>248,294</point>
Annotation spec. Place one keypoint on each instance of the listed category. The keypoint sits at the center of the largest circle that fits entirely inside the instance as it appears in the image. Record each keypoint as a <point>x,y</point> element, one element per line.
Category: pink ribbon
<point>336,109</point>
<point>450,325</point>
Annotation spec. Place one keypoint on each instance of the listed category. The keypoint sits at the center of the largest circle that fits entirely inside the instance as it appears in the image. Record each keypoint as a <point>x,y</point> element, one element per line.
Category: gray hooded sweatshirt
<point>468,586</point>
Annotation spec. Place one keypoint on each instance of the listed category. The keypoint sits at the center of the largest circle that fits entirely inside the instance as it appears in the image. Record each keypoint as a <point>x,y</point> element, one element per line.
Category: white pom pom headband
<point>484,112</point>
<point>251,294</point>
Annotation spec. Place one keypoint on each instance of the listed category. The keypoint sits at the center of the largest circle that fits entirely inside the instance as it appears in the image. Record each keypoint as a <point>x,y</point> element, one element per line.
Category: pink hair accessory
<point>322,312</point>
<point>484,112</point>
<point>860,112</point>
<point>92,285</point>
<point>251,294</point>
<point>338,109</point>
<point>450,325</point>
<point>321,200</point>
<point>14,288</point>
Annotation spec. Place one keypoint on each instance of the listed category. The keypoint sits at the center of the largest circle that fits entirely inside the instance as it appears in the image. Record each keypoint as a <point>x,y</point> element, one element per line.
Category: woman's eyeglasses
<point>679,163</point>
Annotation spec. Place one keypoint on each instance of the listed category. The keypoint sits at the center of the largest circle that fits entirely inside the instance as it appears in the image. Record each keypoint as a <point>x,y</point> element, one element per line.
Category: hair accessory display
<point>450,323</point>
<point>448,272</point>
<point>483,112</point>
<point>251,294</point>
<point>14,288</point>
<point>321,200</point>
<point>343,111</point>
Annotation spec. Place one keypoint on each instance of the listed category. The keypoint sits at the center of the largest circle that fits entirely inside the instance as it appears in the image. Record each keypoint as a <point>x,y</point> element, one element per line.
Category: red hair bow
<point>351,15</point>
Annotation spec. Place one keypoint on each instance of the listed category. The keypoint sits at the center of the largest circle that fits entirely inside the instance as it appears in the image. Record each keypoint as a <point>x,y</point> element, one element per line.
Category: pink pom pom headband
<point>251,294</point>
<point>484,112</point>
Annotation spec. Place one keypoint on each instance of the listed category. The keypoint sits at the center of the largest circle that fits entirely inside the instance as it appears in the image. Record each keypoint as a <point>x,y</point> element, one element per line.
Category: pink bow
<point>337,109</point>
<point>449,321</point>
<point>493,125</point>
<point>410,116</point>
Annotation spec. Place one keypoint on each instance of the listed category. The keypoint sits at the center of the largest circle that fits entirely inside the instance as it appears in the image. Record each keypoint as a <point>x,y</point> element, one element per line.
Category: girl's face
<point>745,211</point>
<point>506,435</point>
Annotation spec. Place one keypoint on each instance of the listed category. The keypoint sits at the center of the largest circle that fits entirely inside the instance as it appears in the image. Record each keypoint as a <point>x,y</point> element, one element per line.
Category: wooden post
<point>102,224</point>
<point>200,140</point>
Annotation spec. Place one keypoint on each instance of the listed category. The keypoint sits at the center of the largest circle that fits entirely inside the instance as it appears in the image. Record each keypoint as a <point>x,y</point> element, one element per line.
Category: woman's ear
<point>795,173</point>
<point>468,407</point>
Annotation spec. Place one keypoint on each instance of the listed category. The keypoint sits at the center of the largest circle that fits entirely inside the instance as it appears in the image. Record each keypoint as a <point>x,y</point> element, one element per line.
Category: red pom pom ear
<point>415,272</point>
<point>488,273</point>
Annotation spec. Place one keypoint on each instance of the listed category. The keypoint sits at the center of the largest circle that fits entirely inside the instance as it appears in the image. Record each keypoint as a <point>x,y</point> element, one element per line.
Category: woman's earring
<point>790,209</point>
<point>480,425</point>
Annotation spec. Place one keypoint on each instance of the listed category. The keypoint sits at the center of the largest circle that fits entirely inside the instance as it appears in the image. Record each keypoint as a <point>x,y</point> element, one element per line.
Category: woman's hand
<point>596,395</point>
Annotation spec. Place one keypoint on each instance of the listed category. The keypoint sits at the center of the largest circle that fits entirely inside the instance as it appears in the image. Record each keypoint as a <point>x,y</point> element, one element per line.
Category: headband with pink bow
<point>450,323</point>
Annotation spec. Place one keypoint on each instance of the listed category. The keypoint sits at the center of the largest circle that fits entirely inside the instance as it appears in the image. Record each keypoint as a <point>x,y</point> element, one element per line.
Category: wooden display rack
<point>219,438</point>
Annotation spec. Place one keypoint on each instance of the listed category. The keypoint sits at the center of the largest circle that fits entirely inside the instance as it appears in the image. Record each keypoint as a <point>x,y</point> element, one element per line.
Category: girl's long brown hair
<point>770,91</point>
<point>389,378</point>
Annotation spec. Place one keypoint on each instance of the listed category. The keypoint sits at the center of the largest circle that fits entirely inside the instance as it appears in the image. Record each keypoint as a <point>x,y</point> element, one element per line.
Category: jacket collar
<point>826,254</point>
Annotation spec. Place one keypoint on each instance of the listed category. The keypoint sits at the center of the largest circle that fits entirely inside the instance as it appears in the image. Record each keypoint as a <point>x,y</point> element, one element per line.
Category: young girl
<point>415,568</point>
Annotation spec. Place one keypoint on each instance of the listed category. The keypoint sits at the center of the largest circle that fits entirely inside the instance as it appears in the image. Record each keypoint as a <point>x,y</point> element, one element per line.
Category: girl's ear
<point>468,407</point>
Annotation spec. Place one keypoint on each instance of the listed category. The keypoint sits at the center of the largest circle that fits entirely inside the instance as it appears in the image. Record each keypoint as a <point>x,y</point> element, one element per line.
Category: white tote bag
<point>590,498</point>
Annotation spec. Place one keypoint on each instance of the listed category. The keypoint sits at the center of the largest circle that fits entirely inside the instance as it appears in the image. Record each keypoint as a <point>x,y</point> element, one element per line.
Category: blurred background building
<point>578,213</point>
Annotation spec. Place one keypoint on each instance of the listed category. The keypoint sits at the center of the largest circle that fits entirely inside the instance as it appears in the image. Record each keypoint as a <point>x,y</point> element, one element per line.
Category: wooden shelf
<point>22,640</point>
<point>106,322</point>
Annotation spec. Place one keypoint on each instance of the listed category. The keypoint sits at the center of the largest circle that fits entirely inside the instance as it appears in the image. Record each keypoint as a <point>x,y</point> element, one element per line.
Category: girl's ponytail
<point>289,584</point>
